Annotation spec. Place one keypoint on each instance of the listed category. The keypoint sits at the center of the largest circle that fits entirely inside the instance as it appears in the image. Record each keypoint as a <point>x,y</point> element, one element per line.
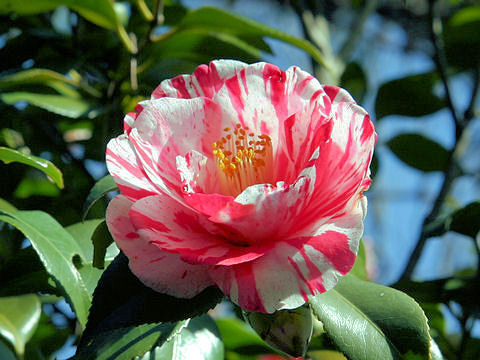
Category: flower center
<point>243,159</point>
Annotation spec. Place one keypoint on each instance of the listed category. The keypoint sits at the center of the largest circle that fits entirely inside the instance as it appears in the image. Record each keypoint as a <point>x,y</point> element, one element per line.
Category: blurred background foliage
<point>71,69</point>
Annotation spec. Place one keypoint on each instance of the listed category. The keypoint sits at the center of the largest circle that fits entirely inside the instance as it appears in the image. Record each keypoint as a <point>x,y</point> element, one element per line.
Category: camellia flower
<point>245,177</point>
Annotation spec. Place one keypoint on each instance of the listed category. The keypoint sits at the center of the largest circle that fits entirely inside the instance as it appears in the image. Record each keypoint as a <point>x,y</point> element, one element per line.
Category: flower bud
<point>286,330</point>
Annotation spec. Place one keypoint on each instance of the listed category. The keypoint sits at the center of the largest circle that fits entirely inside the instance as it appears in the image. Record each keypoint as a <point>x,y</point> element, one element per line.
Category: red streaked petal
<point>175,228</point>
<point>294,269</point>
<point>122,163</point>
<point>205,81</point>
<point>162,271</point>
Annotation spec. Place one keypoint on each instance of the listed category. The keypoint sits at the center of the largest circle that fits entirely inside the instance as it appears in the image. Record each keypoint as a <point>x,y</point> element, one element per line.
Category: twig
<point>451,170</point>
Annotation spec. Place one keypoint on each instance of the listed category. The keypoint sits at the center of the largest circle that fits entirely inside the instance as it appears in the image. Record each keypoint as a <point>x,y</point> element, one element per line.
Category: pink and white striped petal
<point>174,228</point>
<point>205,81</point>
<point>122,164</point>
<point>157,269</point>
<point>167,128</point>
<point>294,269</point>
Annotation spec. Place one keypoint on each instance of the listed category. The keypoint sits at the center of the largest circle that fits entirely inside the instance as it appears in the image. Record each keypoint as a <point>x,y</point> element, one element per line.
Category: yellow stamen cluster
<point>243,159</point>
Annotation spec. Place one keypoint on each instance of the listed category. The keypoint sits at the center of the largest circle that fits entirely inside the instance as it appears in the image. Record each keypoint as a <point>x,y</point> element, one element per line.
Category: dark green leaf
<point>5,352</point>
<point>369,321</point>
<point>121,300</point>
<point>409,96</point>
<point>19,316</point>
<point>462,39</point>
<point>101,187</point>
<point>210,18</point>
<point>101,239</point>
<point>354,80</point>
<point>56,249</point>
<point>46,340</point>
<point>419,152</point>
<point>466,220</point>
<point>9,155</point>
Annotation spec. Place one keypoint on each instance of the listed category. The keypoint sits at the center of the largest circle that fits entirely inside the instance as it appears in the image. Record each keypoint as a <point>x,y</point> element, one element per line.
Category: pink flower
<point>244,177</point>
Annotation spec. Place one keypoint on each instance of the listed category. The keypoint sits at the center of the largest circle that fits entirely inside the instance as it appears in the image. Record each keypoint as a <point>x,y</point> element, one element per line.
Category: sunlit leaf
<point>419,152</point>
<point>370,321</point>
<point>58,104</point>
<point>19,316</point>
<point>56,249</point>
<point>9,155</point>
<point>101,187</point>
<point>360,267</point>
<point>223,21</point>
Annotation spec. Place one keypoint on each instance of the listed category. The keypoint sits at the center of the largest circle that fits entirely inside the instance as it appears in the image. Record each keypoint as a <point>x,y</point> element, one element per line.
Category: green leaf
<point>409,96</point>
<point>35,187</point>
<point>354,80</point>
<point>126,343</point>
<point>369,321</point>
<point>200,333</point>
<point>214,19</point>
<point>240,338</point>
<point>99,12</point>
<point>83,233</point>
<point>56,249</point>
<point>419,152</point>
<point>46,340</point>
<point>121,300</point>
<point>101,239</point>
<point>360,267</point>
<point>19,316</point>
<point>101,187</point>
<point>196,338</point>
<point>326,355</point>
<point>9,155</point>
<point>58,104</point>
<point>466,220</point>
<point>5,352</point>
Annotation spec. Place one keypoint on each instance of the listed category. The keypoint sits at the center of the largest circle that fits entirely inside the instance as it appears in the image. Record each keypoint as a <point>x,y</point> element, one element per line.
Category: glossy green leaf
<point>360,267</point>
<point>56,249</point>
<point>83,233</point>
<point>34,76</point>
<point>326,355</point>
<point>101,187</point>
<point>223,21</point>
<point>9,155</point>
<point>19,316</point>
<point>128,342</point>
<point>196,338</point>
<point>419,152</point>
<point>200,333</point>
<point>58,104</point>
<point>412,95</point>
<point>370,321</point>
<point>121,300</point>
<point>238,337</point>
<point>466,220</point>
<point>32,186</point>
<point>100,12</point>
